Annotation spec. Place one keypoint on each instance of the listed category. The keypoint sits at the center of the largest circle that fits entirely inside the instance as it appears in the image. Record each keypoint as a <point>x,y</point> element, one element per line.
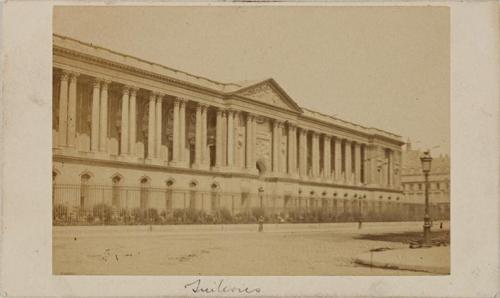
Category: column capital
<point>303,131</point>
<point>291,124</point>
<point>181,99</point>
<point>96,82</point>
<point>328,137</point>
<point>125,90</point>
<point>220,111</point>
<point>277,122</point>
<point>73,75</point>
<point>159,94</point>
<point>69,74</point>
<point>64,75</point>
<point>105,83</point>
<point>252,116</point>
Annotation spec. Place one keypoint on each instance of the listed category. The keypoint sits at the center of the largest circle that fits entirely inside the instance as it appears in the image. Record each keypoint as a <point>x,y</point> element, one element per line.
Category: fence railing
<point>98,204</point>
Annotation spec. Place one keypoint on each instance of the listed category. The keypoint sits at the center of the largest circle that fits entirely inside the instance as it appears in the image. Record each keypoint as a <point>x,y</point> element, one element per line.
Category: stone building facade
<point>413,182</point>
<point>134,134</point>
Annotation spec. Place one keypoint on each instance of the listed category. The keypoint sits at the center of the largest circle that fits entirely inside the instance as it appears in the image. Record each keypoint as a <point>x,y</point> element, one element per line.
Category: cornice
<point>134,70</point>
<point>298,114</point>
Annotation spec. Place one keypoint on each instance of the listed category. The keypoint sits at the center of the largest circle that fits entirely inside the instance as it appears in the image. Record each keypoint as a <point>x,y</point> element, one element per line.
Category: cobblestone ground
<point>308,249</point>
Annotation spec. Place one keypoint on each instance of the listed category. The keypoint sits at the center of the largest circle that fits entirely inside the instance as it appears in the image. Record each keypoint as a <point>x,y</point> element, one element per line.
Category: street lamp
<point>426,161</point>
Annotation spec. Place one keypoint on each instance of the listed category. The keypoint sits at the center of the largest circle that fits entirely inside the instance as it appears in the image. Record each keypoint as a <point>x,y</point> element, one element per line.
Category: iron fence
<point>99,204</point>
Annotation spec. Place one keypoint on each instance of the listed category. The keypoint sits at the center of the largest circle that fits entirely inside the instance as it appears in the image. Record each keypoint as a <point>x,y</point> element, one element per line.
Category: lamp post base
<point>427,230</point>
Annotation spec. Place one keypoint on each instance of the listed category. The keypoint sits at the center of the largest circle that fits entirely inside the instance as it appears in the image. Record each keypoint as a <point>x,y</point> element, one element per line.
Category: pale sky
<point>385,67</point>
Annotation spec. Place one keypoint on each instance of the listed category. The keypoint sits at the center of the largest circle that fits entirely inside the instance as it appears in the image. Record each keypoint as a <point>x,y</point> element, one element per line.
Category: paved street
<point>282,249</point>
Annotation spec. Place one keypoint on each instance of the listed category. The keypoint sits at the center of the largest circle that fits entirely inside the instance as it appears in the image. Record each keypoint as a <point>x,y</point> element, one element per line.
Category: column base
<point>101,155</point>
<point>204,167</point>
<point>252,171</point>
<point>178,164</point>
<point>154,161</point>
<point>131,158</point>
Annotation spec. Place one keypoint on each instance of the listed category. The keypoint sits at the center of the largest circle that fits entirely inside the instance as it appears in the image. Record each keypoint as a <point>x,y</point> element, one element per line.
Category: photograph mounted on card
<point>211,141</point>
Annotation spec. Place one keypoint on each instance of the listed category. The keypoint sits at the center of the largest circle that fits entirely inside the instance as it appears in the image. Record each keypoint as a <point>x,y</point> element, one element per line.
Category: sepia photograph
<point>258,149</point>
<point>251,141</point>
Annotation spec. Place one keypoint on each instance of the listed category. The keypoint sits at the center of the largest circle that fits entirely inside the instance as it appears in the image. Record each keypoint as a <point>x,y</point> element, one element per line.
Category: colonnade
<point>329,157</point>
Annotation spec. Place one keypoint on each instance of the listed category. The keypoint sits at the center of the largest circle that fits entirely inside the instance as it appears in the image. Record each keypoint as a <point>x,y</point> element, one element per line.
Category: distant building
<point>412,180</point>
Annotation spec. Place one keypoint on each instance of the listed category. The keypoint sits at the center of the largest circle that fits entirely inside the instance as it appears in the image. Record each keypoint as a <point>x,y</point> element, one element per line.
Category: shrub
<point>59,212</point>
<point>102,212</point>
<point>225,215</point>
<point>145,216</point>
<point>258,212</point>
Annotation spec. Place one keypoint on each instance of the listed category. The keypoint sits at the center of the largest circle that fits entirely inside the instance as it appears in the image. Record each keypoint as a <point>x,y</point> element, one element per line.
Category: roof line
<point>352,123</point>
<point>144,61</point>
<point>241,87</point>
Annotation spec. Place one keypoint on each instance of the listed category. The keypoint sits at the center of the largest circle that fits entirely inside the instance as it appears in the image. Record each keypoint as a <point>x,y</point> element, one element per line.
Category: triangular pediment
<point>269,92</point>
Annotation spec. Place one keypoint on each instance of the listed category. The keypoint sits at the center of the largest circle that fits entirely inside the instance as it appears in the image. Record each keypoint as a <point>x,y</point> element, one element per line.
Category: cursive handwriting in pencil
<point>219,287</point>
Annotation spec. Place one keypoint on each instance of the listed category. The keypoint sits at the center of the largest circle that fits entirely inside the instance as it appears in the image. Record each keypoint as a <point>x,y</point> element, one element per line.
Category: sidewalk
<point>434,259</point>
<point>338,228</point>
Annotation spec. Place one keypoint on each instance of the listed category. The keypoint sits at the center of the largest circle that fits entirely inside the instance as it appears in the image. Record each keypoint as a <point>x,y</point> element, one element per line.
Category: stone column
<point>397,167</point>
<point>158,120</point>
<point>63,109</point>
<point>348,162</point>
<point>176,133</point>
<point>391,168</point>
<point>182,133</point>
<point>103,117</point>
<point>236,155</point>
<point>151,126</point>
<point>205,158</point>
<point>315,154</point>
<point>224,138</point>
<point>96,84</point>
<point>338,159</point>
<point>218,139</point>
<point>303,152</point>
<point>294,150</point>
<point>275,146</point>
<point>357,163</point>
<point>327,168</point>
<point>374,178</point>
<point>230,138</point>
<point>198,132</point>
<point>254,141</point>
<point>364,158</point>
<point>72,110</point>
<point>291,146</point>
<point>125,122</point>
<point>248,142</point>
<point>132,122</point>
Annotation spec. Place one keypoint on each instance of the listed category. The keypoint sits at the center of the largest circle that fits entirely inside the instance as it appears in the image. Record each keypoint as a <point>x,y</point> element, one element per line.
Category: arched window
<point>168,195</point>
<point>192,194</point>
<point>144,193</point>
<point>84,189</point>
<point>312,200</point>
<point>116,191</point>
<point>214,196</point>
